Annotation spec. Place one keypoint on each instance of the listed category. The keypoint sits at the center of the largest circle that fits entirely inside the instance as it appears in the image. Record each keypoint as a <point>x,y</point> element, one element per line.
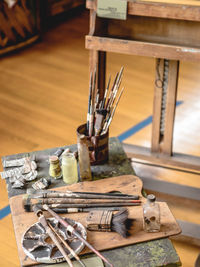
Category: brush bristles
<point>28,208</point>
<point>26,203</point>
<point>119,222</point>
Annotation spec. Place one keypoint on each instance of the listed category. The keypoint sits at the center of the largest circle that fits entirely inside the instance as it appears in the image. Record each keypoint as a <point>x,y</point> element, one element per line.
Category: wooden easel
<point>176,39</point>
<point>169,32</point>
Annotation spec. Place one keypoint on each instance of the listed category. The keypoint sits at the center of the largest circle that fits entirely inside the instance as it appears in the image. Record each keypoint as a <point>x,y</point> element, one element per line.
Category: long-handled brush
<point>28,204</point>
<point>73,231</point>
<point>51,234</point>
<point>80,201</point>
<point>66,245</point>
<point>86,195</point>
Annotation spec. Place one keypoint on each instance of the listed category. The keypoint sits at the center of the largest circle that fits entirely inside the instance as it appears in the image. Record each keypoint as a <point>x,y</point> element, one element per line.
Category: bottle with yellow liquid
<point>54,167</point>
<point>69,168</point>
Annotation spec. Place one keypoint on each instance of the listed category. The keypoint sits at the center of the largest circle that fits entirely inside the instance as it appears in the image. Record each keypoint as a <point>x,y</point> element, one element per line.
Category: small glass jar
<point>69,168</point>
<point>84,159</point>
<point>54,167</point>
<point>151,215</point>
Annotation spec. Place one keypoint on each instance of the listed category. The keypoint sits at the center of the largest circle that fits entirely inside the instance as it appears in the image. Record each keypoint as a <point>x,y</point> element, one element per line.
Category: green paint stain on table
<point>147,254</point>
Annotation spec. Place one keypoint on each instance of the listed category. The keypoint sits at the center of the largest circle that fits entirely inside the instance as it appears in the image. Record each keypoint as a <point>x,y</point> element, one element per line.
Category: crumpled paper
<point>24,171</point>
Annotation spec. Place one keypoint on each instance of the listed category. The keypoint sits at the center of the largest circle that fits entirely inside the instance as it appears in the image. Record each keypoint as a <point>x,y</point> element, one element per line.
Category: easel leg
<point>98,59</point>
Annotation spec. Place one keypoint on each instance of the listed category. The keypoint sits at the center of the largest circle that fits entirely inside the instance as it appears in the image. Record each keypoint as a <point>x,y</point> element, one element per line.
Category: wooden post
<point>162,136</point>
<point>101,73</point>
<point>97,57</point>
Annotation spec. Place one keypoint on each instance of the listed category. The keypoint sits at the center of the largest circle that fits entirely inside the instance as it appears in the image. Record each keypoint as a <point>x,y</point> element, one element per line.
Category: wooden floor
<point>43,98</point>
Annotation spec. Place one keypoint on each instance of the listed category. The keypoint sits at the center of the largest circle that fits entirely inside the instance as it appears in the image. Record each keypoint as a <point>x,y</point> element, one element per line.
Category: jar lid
<point>53,159</point>
<point>151,197</point>
<point>68,155</point>
<point>82,138</point>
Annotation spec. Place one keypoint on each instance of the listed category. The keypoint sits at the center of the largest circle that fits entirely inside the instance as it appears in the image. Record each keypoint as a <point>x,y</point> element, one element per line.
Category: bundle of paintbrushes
<point>66,202</point>
<point>101,111</point>
<point>73,232</point>
<point>56,238</point>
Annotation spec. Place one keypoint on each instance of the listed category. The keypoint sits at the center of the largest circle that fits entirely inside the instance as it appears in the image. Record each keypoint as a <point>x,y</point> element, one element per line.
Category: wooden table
<point>152,253</point>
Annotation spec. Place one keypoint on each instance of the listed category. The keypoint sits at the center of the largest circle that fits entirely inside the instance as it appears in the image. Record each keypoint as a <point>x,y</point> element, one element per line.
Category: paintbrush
<point>107,221</point>
<point>66,245</point>
<point>94,205</point>
<point>105,94</point>
<point>101,114</point>
<point>51,234</point>
<point>108,122</point>
<point>29,208</point>
<point>80,201</point>
<point>113,193</point>
<point>86,195</point>
<point>91,121</point>
<point>120,222</point>
<point>28,205</point>
<point>83,200</point>
<point>96,101</point>
<point>111,100</point>
<point>89,102</point>
<point>115,89</point>
<point>114,96</point>
<point>71,229</point>
<point>106,194</point>
<point>111,92</point>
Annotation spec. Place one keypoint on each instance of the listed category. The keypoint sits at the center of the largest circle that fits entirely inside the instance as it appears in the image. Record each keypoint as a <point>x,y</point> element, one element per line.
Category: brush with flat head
<point>107,221</point>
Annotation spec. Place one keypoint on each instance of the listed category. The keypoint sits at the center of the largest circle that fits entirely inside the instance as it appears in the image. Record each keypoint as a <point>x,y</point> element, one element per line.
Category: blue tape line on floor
<point>135,129</point>
<point>179,103</point>
<point>139,126</point>
<point>4,212</point>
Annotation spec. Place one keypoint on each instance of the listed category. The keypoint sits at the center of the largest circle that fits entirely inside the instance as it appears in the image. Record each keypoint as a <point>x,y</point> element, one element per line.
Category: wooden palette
<point>128,184</point>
